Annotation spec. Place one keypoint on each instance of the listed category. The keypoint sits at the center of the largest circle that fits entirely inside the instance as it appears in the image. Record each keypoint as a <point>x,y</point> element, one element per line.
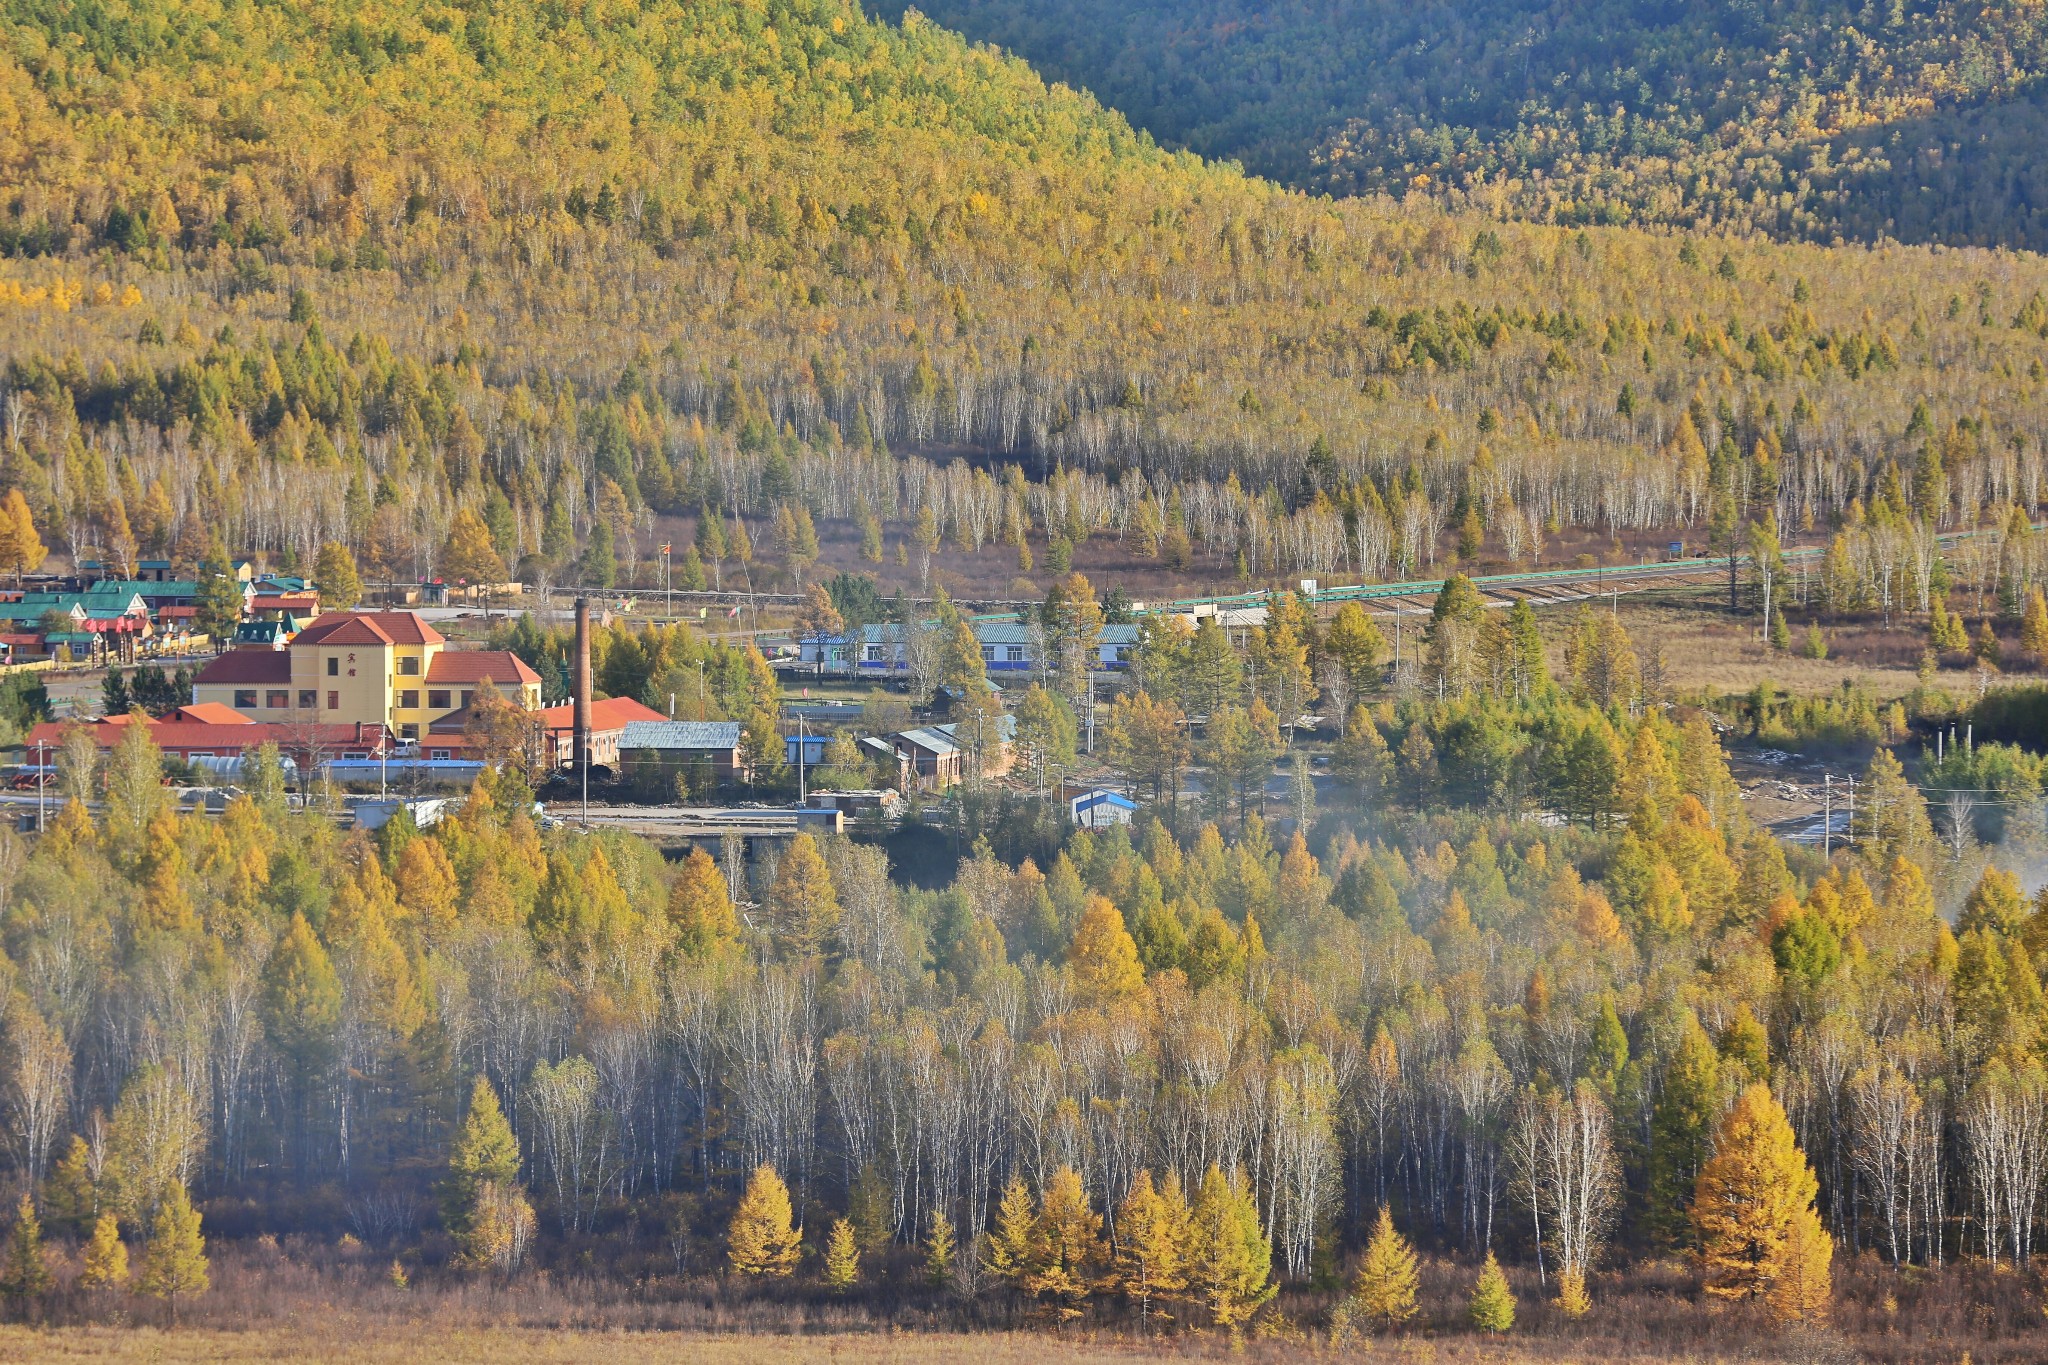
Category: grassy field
<point>322,1341</point>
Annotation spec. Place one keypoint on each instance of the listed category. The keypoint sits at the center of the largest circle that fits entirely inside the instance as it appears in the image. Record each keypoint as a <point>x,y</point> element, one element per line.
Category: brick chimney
<point>580,685</point>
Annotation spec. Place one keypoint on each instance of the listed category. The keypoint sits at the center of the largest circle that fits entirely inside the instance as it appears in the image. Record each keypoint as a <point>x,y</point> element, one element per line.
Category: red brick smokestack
<point>580,684</point>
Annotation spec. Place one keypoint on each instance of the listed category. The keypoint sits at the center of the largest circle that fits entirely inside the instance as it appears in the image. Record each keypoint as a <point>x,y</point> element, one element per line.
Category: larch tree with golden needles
<point>335,576</point>
<point>1151,1242</point>
<point>21,545</point>
<point>1759,1236</point>
<point>805,904</point>
<point>481,1199</point>
<point>1384,1290</point>
<point>700,907</point>
<point>938,1251</point>
<point>761,1240</point>
<point>1492,1309</point>
<point>1103,957</point>
<point>842,1257</point>
<point>174,1265</point>
<point>469,556</point>
<point>1229,1257</point>
<point>106,1257</point>
<point>1009,1246</point>
<point>1066,1246</point>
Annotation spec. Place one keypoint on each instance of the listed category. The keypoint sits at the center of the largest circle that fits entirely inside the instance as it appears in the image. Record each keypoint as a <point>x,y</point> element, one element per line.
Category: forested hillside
<point>1905,119</point>
<point>334,276</point>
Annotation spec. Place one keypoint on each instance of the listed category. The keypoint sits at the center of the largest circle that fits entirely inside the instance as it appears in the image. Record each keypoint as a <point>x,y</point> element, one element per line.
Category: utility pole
<point>1091,711</point>
<point>1827,813</point>
<point>802,751</point>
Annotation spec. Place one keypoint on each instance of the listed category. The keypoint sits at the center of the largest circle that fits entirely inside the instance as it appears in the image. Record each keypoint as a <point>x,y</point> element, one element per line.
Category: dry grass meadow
<point>314,1302</point>
<point>338,1340</point>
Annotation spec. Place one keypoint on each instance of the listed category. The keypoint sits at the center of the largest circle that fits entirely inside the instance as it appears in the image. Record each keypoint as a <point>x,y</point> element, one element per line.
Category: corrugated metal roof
<point>931,739</point>
<point>680,734</point>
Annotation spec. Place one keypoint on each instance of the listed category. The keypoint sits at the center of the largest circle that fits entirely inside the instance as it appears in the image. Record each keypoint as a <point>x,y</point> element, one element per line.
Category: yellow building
<point>347,667</point>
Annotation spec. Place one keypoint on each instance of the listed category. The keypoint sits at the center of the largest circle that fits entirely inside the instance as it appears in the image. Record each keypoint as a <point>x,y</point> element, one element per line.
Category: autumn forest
<point>1442,987</point>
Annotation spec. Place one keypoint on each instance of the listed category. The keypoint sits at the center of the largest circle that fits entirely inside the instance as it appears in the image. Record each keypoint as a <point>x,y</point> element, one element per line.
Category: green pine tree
<point>25,1275</point>
<point>218,608</point>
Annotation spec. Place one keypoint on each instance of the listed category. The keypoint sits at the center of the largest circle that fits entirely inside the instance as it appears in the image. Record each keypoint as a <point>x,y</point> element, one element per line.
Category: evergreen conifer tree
<point>25,1275</point>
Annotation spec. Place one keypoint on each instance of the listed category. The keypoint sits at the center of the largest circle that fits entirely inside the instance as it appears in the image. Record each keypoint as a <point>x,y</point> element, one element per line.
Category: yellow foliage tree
<point>1759,1236</point>
<point>842,1257</point>
<point>700,907</point>
<point>21,546</point>
<point>1066,1246</point>
<point>175,1267</point>
<point>761,1240</point>
<point>1386,1283</point>
<point>1152,1232</point>
<point>806,905</point>
<point>1230,1259</point>
<point>1009,1246</point>
<point>1103,957</point>
<point>106,1257</point>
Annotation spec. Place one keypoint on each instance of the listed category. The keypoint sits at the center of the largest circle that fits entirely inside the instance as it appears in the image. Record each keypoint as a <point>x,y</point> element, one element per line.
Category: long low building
<point>206,730</point>
<point>659,749</point>
<point>1006,647</point>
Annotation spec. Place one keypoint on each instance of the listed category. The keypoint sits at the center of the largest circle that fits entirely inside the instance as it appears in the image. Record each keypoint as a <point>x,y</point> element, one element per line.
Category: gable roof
<point>606,714</point>
<point>211,713</point>
<point>681,734</point>
<point>243,666</point>
<point>389,627</point>
<point>475,666</point>
<point>350,630</point>
<point>931,739</point>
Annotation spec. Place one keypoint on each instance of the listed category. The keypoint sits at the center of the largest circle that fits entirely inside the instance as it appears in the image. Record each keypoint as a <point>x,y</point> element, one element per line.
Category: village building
<point>373,668</point>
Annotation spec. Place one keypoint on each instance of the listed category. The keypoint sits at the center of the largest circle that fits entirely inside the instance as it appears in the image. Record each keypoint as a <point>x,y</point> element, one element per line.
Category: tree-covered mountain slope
<point>1818,118</point>
<point>308,271</point>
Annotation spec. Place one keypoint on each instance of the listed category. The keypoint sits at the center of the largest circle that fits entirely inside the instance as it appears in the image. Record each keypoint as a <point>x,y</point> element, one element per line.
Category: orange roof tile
<point>478,665</point>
